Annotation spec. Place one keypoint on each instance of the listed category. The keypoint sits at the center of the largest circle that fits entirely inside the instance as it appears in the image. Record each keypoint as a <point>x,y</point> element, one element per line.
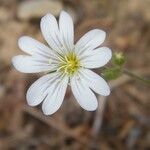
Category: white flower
<point>65,63</point>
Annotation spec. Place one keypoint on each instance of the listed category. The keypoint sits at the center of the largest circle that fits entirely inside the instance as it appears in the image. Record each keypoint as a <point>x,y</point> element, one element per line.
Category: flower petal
<point>84,96</point>
<point>49,27</point>
<point>29,64</point>
<point>56,94</point>
<point>32,47</point>
<point>66,30</point>
<point>96,58</point>
<point>90,40</point>
<point>95,82</point>
<point>38,90</point>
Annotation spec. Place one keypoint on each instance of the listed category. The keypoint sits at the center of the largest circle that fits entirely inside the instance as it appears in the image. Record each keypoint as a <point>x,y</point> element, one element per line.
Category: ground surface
<point>125,122</point>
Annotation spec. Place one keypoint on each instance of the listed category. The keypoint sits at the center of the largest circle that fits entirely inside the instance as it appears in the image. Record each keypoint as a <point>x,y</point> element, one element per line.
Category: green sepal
<point>111,73</point>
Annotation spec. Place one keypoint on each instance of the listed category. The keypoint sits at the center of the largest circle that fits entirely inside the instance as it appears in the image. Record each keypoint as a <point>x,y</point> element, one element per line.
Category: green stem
<point>125,71</point>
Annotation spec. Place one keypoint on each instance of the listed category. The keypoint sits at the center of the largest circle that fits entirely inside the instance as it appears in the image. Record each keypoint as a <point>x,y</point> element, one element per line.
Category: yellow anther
<point>70,64</point>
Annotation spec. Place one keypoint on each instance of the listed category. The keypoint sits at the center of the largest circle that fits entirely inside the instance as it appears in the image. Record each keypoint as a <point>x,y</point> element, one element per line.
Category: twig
<point>135,76</point>
<point>125,78</point>
<point>99,116</point>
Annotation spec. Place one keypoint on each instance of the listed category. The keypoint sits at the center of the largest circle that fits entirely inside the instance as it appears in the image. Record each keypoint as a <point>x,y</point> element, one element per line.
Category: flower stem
<point>127,72</point>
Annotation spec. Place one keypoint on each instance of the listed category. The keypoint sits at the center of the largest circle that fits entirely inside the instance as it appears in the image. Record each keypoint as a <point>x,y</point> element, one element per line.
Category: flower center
<point>69,64</point>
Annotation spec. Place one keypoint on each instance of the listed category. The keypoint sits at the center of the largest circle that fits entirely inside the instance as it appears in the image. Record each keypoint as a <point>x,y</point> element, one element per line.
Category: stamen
<point>60,58</point>
<point>66,58</point>
<point>69,64</point>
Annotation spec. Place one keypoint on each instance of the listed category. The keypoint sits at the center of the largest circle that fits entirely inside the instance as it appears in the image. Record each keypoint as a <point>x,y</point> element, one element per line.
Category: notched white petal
<point>29,64</point>
<point>56,94</point>
<point>36,93</point>
<point>95,82</point>
<point>84,96</point>
<point>39,89</point>
<point>50,31</point>
<point>96,58</point>
<point>66,30</point>
<point>90,40</point>
<point>32,46</point>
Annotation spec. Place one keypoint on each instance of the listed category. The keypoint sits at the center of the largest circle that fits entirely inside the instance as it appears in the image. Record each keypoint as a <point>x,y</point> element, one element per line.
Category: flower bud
<point>118,59</point>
